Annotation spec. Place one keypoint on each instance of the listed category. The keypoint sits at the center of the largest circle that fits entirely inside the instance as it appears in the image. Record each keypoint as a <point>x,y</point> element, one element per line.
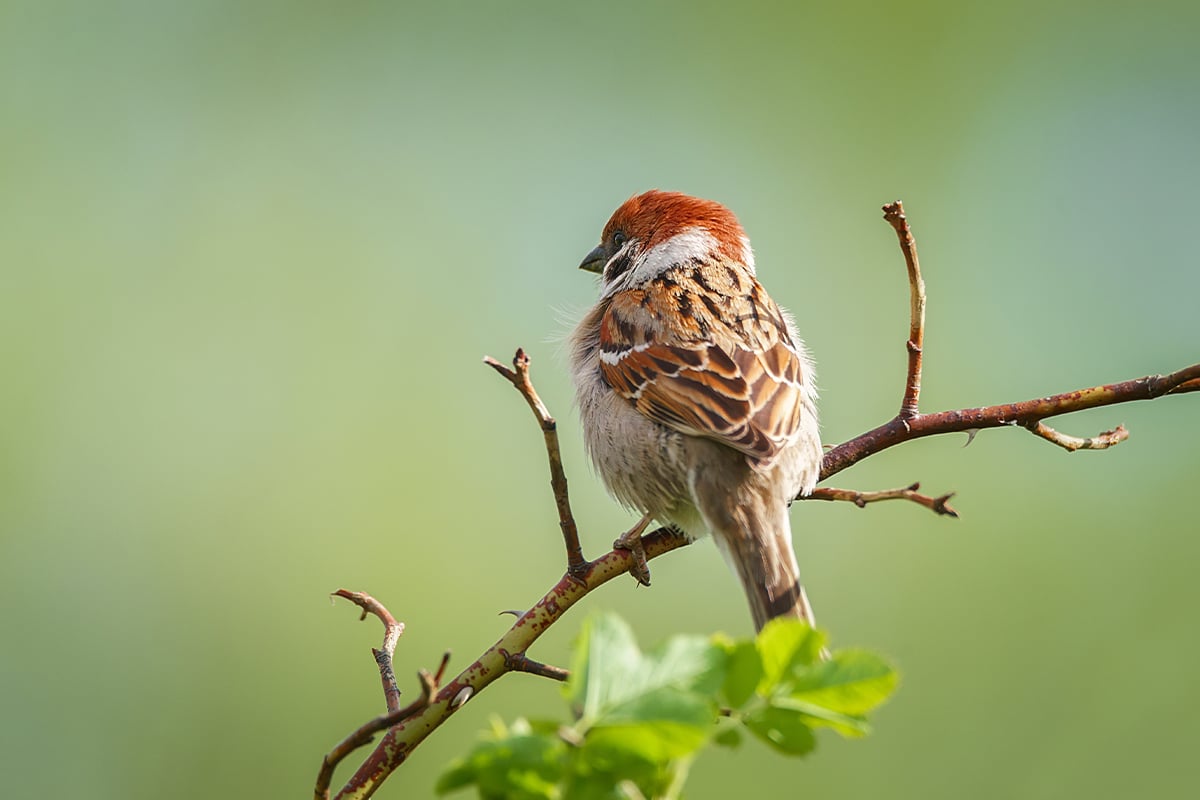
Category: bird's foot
<point>631,540</point>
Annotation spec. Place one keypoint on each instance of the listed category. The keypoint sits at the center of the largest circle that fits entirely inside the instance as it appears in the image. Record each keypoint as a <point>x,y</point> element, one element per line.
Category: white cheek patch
<point>679,249</point>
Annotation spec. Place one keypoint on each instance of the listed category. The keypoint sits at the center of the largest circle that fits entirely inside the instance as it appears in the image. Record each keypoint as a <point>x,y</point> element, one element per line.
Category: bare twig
<point>1024,414</point>
<point>392,630</point>
<point>518,376</point>
<point>894,214</point>
<point>938,505</point>
<point>441,670</point>
<point>911,424</point>
<point>1101,441</point>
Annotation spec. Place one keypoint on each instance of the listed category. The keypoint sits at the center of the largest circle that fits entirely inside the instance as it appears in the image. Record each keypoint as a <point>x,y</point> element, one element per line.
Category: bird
<point>697,397</point>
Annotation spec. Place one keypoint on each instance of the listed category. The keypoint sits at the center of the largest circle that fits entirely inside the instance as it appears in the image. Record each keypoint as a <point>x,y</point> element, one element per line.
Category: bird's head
<point>655,231</point>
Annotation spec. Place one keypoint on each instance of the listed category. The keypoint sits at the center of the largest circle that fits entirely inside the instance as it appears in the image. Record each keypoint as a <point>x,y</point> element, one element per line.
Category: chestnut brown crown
<point>656,219</point>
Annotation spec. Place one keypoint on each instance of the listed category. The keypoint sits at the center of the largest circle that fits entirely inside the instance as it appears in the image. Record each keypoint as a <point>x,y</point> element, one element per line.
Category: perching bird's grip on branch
<point>407,726</point>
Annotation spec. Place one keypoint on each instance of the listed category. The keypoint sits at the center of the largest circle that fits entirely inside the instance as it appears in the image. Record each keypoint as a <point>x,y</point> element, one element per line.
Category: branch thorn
<point>464,694</point>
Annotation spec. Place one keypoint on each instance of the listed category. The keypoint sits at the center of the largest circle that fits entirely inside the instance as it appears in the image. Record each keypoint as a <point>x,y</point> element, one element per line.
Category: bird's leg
<point>631,540</point>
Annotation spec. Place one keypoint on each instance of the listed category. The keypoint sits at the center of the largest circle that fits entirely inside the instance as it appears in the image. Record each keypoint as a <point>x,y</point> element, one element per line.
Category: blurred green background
<point>252,254</point>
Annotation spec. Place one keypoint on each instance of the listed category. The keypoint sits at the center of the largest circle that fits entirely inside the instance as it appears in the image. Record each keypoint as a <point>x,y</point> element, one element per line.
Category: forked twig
<point>938,505</point>
<point>1024,414</point>
<point>910,424</point>
<point>365,733</point>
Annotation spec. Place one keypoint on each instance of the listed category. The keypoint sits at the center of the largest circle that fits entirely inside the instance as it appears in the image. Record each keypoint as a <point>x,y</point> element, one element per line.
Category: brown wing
<point>747,394</point>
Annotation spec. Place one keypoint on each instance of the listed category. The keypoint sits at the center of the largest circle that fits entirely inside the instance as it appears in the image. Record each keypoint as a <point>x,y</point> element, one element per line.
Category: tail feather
<point>746,509</point>
<point>765,564</point>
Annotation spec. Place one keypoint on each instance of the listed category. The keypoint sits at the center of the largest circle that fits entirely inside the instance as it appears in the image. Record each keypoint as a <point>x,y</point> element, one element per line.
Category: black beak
<point>595,260</point>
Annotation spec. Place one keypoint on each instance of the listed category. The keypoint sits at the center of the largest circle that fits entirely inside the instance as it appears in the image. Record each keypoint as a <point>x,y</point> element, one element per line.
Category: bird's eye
<point>618,238</point>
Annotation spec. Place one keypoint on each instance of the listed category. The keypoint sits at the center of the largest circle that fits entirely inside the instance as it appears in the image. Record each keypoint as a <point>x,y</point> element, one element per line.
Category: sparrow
<point>696,395</point>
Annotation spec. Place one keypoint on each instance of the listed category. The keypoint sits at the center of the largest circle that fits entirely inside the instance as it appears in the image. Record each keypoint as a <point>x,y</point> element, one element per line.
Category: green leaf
<point>641,716</point>
<point>787,647</point>
<point>651,741</point>
<point>803,692</point>
<point>598,769</point>
<point>851,683</point>
<point>511,763</point>
<point>852,727</point>
<point>605,647</point>
<point>783,729</point>
<point>616,684</point>
<point>743,672</point>
<point>691,662</point>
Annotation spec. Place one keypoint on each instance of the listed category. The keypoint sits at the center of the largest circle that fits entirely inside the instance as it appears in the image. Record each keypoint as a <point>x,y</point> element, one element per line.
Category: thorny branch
<point>408,726</point>
<point>407,730</point>
<point>910,424</point>
<point>365,733</point>
<point>1026,414</point>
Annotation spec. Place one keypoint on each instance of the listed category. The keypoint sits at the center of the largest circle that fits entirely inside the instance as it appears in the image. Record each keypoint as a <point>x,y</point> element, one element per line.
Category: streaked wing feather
<point>748,399</point>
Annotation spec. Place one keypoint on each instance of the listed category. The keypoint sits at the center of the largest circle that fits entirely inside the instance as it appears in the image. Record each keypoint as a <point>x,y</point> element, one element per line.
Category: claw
<point>631,540</point>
